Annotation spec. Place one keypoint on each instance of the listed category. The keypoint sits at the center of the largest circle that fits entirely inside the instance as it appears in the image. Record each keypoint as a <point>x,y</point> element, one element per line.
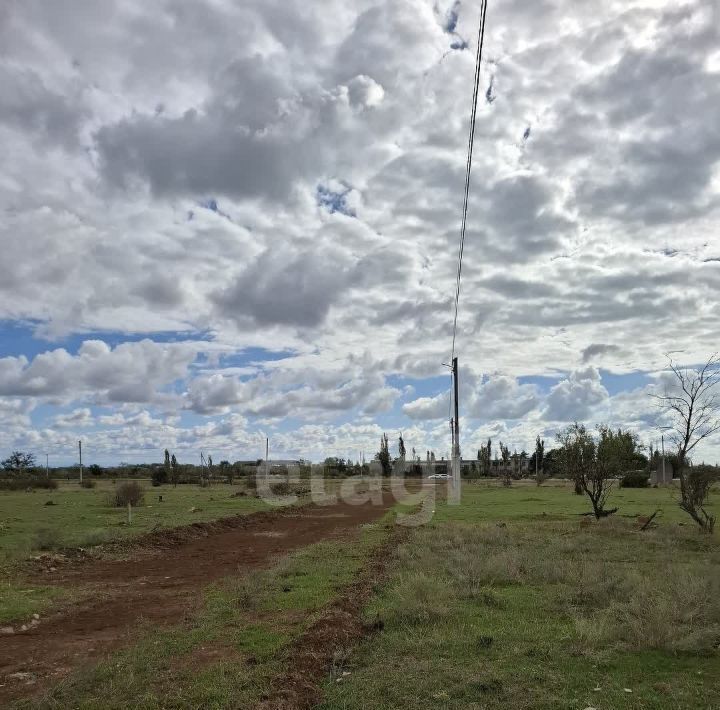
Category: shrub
<point>87,483</point>
<point>159,476</point>
<point>634,479</point>
<point>695,485</point>
<point>282,489</point>
<point>95,537</point>
<point>417,598</point>
<point>677,613</point>
<point>129,492</point>
<point>46,540</point>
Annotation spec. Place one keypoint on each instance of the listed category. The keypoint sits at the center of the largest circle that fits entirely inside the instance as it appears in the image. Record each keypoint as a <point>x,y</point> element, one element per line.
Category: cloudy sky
<point>228,219</point>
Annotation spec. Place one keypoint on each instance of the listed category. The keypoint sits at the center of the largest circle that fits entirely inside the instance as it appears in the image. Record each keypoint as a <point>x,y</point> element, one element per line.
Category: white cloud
<point>132,372</point>
<point>574,398</point>
<point>163,170</point>
<point>78,419</point>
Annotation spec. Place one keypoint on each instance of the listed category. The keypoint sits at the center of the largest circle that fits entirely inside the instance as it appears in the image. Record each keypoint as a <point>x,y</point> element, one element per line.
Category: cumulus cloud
<point>574,398</point>
<point>497,397</point>
<point>287,391</point>
<point>78,418</point>
<point>598,349</point>
<point>287,176</point>
<point>282,288</point>
<point>132,372</point>
<point>502,397</point>
<point>428,407</point>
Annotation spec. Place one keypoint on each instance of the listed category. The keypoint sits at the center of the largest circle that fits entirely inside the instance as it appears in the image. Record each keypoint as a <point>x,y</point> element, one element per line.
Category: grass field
<point>509,600</point>
<point>83,518</point>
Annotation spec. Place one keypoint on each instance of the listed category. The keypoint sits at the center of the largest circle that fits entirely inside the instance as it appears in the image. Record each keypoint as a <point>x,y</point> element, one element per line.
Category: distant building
<point>279,463</point>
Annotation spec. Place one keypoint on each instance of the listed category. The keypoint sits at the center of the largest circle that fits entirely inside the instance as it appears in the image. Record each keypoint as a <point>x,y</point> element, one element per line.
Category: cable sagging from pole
<point>468,170</point>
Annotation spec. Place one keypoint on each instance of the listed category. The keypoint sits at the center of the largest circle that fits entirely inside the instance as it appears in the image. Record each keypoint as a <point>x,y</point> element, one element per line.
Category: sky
<point>224,221</point>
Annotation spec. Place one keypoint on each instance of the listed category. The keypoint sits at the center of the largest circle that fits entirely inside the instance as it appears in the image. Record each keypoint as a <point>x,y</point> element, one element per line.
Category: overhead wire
<point>468,169</point>
<point>466,197</point>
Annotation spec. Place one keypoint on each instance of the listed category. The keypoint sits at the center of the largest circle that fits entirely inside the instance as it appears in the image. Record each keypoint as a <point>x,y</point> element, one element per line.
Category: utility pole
<point>456,426</point>
<point>47,466</point>
<point>663,429</point>
<point>662,442</point>
<point>80,450</point>
<point>456,421</point>
<point>267,453</point>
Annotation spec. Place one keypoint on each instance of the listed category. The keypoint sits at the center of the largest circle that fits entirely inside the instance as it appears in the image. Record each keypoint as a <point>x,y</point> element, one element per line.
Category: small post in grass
<point>129,513</point>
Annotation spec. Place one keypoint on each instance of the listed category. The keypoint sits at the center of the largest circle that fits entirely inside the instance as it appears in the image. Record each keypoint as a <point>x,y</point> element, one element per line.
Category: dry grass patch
<point>667,600</point>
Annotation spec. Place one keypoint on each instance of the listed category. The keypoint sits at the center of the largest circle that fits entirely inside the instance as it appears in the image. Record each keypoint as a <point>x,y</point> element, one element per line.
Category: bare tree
<point>693,407</point>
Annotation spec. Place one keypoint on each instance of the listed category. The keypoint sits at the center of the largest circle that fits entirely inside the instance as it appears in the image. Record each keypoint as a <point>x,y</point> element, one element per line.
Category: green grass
<point>83,518</point>
<point>506,601</point>
<point>484,500</point>
<point>19,601</point>
<point>227,655</point>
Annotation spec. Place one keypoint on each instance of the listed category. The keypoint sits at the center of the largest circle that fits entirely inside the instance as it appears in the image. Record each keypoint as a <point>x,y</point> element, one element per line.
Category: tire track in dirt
<point>159,587</point>
<point>339,628</point>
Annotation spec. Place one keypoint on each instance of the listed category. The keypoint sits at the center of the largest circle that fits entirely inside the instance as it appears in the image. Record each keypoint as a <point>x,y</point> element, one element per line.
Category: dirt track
<point>161,584</point>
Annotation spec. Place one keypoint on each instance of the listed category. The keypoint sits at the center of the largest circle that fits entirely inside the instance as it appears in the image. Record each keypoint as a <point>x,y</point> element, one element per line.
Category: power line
<point>468,171</point>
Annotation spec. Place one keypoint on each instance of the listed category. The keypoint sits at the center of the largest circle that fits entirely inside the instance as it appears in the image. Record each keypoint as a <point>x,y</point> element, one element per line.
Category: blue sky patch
<point>334,201</point>
<point>452,17</point>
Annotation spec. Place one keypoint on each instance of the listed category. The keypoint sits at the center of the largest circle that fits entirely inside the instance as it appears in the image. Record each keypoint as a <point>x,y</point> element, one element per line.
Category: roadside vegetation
<point>513,604</point>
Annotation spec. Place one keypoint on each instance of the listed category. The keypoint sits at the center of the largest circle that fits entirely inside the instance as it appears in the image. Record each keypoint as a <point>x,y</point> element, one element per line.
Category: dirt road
<point>161,583</point>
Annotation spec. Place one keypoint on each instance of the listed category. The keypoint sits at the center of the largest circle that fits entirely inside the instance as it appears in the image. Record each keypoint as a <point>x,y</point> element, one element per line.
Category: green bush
<point>159,477</point>
<point>635,479</point>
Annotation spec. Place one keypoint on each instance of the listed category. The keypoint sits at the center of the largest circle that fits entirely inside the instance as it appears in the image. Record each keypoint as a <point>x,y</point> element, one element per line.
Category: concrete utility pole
<point>267,453</point>
<point>47,466</point>
<point>456,425</point>
<point>662,443</point>
<point>80,450</point>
